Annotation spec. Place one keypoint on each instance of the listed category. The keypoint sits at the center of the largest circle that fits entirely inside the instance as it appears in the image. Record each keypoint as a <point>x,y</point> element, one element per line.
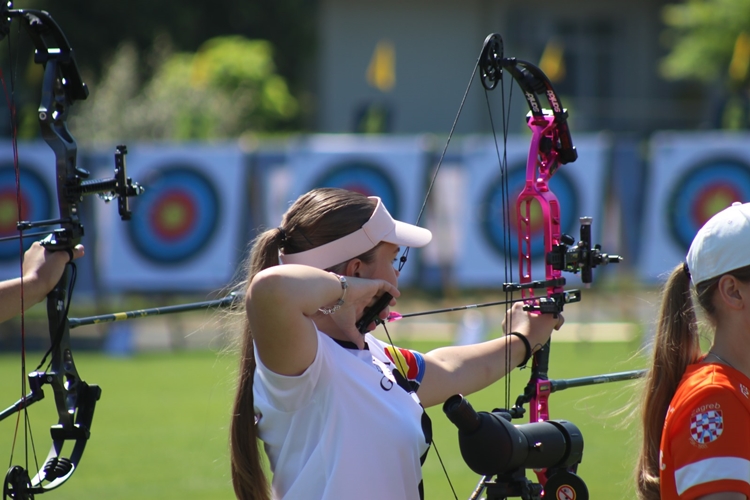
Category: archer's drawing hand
<point>43,268</point>
<point>361,294</point>
<point>536,327</point>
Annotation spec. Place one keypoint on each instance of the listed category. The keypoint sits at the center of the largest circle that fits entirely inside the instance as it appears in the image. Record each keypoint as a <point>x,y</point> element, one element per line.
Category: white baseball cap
<point>380,227</point>
<point>722,244</point>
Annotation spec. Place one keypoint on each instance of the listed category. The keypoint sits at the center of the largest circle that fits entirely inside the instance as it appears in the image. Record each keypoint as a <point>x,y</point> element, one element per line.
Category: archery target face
<point>365,178</point>
<point>704,191</point>
<point>176,217</point>
<point>493,220</point>
<point>35,201</point>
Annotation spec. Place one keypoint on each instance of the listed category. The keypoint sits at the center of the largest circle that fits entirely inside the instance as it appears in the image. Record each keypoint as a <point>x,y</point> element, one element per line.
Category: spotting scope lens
<point>491,445</point>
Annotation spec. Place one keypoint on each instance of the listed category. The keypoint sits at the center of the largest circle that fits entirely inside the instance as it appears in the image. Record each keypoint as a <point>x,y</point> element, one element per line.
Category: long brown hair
<point>316,218</point>
<point>676,345</point>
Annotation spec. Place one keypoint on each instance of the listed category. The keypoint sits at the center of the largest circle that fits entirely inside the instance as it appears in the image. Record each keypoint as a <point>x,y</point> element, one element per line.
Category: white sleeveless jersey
<point>344,429</point>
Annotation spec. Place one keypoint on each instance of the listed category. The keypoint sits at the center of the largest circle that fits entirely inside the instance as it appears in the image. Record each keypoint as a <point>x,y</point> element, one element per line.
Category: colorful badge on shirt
<point>706,424</point>
<point>411,362</point>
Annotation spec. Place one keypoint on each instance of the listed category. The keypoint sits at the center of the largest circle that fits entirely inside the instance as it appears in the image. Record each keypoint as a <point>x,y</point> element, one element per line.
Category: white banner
<point>393,168</point>
<point>187,228</point>
<point>37,169</point>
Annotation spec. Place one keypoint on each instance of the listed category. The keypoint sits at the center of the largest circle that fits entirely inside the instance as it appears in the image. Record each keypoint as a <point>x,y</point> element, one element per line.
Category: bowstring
<point>10,102</point>
<point>405,254</point>
<point>502,161</point>
<point>397,359</point>
<point>505,197</point>
<point>433,178</point>
<point>10,98</point>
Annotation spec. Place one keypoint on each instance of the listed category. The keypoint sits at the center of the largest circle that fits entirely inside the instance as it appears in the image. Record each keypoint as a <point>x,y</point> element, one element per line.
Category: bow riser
<point>536,189</point>
<point>53,112</point>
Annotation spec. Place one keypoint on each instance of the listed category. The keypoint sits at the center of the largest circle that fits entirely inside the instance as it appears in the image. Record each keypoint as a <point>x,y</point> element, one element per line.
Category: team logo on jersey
<point>744,391</point>
<point>706,426</point>
<point>387,381</point>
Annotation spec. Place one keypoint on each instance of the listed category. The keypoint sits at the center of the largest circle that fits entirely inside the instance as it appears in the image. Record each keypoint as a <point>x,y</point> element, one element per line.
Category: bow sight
<point>570,257</point>
<point>75,400</point>
<point>581,257</point>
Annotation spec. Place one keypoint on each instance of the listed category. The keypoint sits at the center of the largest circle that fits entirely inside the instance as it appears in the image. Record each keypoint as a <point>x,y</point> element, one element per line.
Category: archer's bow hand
<point>42,268</point>
<point>536,327</point>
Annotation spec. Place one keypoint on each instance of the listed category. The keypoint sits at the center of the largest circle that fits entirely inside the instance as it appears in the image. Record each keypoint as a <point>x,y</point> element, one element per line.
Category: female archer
<point>340,413</point>
<point>696,411</point>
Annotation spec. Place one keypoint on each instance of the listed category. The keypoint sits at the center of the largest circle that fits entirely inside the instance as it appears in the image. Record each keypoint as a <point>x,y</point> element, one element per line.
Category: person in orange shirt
<point>696,407</point>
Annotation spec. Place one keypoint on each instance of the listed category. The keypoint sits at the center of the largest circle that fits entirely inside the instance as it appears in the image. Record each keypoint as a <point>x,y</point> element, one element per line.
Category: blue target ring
<point>365,178</point>
<point>492,212</point>
<point>176,216</point>
<point>703,191</point>
<point>36,205</point>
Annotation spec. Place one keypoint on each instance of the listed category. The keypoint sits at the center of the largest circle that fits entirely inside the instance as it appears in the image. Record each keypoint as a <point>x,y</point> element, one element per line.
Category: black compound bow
<point>75,400</point>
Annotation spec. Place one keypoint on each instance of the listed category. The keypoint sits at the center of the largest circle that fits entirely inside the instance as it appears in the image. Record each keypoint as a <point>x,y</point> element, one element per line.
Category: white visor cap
<point>381,227</point>
<point>721,245</point>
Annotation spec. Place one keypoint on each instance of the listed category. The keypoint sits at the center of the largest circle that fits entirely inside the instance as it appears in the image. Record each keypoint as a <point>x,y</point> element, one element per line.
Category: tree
<point>710,42</point>
<point>97,32</point>
<point>229,86</point>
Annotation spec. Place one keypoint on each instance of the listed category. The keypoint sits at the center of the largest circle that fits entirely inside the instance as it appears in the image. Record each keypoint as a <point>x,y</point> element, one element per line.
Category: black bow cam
<point>533,82</point>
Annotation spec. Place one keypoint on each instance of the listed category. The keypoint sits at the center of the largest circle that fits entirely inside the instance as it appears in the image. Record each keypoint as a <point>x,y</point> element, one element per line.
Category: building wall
<point>611,53</point>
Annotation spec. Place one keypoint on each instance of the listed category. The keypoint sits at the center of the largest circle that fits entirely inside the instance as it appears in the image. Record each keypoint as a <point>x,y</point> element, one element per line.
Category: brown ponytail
<point>316,218</point>
<point>676,345</point>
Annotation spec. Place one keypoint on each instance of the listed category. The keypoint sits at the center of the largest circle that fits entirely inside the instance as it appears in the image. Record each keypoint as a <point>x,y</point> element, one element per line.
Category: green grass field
<point>160,429</point>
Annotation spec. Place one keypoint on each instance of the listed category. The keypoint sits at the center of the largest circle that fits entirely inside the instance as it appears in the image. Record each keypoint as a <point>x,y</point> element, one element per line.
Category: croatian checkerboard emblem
<point>707,426</point>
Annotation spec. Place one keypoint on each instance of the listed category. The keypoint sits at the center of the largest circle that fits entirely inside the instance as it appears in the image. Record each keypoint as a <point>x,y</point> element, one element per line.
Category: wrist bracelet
<point>528,348</point>
<point>335,307</point>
